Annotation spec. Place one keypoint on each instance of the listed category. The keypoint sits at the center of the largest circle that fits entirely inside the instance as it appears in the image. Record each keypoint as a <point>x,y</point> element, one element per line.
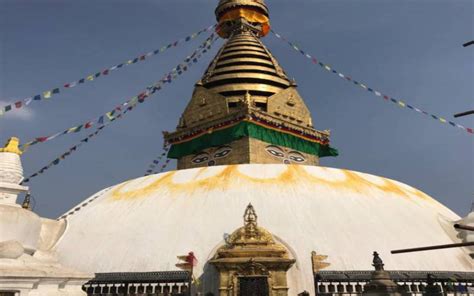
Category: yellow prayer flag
<point>401,103</point>
<point>90,78</point>
<point>109,115</point>
<point>47,94</point>
<point>442,120</point>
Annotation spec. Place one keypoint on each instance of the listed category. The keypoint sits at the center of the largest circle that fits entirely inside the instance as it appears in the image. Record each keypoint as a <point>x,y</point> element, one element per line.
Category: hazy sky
<point>409,49</point>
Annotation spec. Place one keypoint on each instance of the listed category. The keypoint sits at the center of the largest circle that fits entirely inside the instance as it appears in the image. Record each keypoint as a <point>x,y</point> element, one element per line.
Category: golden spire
<point>244,97</point>
<point>12,146</point>
<point>245,64</point>
<point>235,15</point>
<point>250,221</point>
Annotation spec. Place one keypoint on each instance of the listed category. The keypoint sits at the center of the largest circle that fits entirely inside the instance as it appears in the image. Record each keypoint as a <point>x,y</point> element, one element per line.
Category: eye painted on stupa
<point>200,158</point>
<point>295,156</point>
<point>222,151</point>
<point>275,151</point>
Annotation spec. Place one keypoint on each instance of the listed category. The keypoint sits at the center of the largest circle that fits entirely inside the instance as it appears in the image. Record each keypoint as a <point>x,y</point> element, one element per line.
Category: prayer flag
<point>41,139</point>
<point>71,130</point>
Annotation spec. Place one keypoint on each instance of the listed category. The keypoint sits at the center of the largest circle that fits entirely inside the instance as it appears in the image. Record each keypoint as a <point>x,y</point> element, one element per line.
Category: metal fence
<point>172,283</point>
<point>414,283</point>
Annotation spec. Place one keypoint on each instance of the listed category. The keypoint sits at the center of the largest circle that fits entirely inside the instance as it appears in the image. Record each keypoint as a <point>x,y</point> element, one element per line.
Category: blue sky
<point>408,49</point>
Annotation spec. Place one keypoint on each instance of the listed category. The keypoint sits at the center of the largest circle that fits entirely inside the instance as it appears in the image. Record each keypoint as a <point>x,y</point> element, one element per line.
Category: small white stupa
<point>28,266</point>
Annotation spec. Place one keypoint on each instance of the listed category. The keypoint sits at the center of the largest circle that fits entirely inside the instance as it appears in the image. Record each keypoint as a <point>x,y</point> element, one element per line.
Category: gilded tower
<point>245,109</point>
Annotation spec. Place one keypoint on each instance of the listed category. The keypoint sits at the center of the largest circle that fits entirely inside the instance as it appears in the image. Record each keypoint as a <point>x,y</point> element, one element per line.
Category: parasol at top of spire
<point>255,12</point>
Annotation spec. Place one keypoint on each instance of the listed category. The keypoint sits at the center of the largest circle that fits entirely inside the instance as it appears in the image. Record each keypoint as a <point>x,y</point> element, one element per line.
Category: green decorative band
<point>249,129</point>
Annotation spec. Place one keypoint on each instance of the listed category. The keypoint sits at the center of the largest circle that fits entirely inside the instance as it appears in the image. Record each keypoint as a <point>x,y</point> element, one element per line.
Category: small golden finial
<point>12,146</point>
<point>250,222</point>
<point>248,99</point>
<point>250,217</point>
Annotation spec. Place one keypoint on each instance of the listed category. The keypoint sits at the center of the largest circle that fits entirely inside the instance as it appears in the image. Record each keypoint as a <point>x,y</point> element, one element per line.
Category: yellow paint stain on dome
<point>227,177</point>
<point>121,192</point>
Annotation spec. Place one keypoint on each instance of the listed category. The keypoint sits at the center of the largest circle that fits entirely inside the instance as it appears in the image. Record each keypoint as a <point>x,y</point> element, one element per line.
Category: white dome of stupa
<point>345,215</point>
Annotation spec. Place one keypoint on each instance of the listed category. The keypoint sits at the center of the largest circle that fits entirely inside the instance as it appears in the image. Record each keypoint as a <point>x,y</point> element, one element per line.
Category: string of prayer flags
<point>193,58</point>
<point>364,86</point>
<point>132,102</point>
<point>64,155</point>
<point>157,160</point>
<point>74,148</point>
<point>55,91</point>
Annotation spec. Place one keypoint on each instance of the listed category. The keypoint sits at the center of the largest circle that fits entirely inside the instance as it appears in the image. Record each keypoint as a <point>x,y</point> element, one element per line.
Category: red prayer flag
<point>18,104</point>
<point>470,130</point>
<point>191,259</point>
<point>41,139</point>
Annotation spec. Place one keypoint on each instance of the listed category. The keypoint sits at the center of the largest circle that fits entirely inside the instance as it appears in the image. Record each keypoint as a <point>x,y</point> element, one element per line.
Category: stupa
<point>28,263</point>
<point>247,137</point>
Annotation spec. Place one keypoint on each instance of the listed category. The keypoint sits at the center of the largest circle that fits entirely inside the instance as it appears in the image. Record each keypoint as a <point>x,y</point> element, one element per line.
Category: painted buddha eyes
<point>275,151</point>
<point>296,156</point>
<point>203,157</point>
<point>222,152</point>
<point>291,156</point>
<point>200,158</point>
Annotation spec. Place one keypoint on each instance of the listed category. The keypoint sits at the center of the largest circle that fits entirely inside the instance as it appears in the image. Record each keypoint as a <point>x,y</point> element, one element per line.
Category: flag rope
<point>369,89</point>
<point>154,164</point>
<point>140,98</point>
<point>57,90</point>
<point>74,148</point>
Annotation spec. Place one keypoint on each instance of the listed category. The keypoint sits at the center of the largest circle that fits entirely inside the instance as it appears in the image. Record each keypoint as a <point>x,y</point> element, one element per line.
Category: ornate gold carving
<point>252,268</point>
<point>250,233</point>
<point>251,251</point>
<point>291,100</point>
